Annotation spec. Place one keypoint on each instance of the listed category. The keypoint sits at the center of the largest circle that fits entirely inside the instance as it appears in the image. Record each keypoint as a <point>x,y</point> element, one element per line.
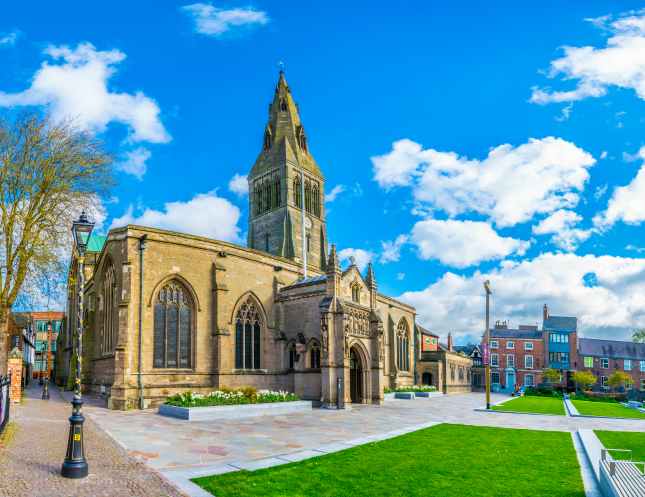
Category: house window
<point>603,381</point>
<point>528,345</point>
<point>510,344</point>
<point>314,356</point>
<point>452,372</point>
<point>643,366</point>
<point>528,361</point>
<point>604,363</point>
<point>627,364</point>
<point>643,384</point>
<point>588,362</point>
<point>403,356</point>
<point>559,357</point>
<point>494,377</point>
<point>528,380</point>
<point>461,373</point>
<point>559,337</point>
<point>15,341</point>
<point>494,344</point>
<point>494,360</point>
<point>248,323</point>
<point>510,361</point>
<point>173,327</point>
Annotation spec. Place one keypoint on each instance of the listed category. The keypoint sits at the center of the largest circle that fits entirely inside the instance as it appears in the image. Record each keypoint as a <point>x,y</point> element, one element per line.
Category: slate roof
<point>424,331</point>
<point>560,323</point>
<point>309,281</point>
<point>466,349</point>
<point>611,348</point>
<point>517,334</point>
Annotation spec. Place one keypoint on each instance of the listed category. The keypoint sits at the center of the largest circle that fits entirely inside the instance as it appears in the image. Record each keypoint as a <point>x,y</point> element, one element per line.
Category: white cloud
<point>627,203</point>
<point>510,185</point>
<point>239,185</point>
<point>361,257</point>
<point>603,154</point>
<point>205,214</point>
<point>335,191</point>
<point>608,309</point>
<point>620,63</point>
<point>135,162</point>
<point>400,276</point>
<point>562,225</point>
<point>600,191</point>
<point>462,243</point>
<point>213,21</point>
<point>392,249</point>
<point>74,85</point>
<point>9,39</point>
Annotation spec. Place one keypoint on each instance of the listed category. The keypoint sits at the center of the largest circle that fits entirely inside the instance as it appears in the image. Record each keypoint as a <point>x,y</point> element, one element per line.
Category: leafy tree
<point>49,172</point>
<point>639,336</point>
<point>618,379</point>
<point>584,379</point>
<point>552,375</point>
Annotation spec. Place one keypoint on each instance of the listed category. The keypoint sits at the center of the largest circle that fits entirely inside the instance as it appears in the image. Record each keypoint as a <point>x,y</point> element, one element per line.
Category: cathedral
<point>167,312</point>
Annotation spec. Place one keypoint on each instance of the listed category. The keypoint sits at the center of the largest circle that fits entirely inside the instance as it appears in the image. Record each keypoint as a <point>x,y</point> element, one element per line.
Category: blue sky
<point>465,142</point>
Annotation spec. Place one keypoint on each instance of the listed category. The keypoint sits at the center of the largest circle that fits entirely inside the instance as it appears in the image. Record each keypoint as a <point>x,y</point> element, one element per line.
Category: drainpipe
<point>142,247</point>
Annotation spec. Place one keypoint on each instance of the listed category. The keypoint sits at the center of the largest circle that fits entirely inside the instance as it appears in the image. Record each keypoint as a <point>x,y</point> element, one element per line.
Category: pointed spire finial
<point>370,278</point>
<point>333,263</point>
<point>281,66</point>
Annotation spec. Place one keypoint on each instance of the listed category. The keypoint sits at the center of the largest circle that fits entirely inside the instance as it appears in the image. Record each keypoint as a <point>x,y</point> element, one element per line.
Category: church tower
<point>276,189</point>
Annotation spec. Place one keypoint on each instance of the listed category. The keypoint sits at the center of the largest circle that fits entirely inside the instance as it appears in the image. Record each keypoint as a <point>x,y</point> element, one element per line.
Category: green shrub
<point>411,388</point>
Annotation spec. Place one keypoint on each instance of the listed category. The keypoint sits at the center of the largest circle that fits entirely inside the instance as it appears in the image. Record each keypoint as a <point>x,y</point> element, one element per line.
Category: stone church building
<point>167,312</point>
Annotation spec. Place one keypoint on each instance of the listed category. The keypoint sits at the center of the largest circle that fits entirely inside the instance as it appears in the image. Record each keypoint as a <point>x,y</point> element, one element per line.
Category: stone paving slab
<point>30,464</point>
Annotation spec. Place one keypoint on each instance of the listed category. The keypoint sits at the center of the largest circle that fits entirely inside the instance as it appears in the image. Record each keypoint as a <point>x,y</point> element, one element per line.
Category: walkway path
<point>166,443</point>
<point>30,464</point>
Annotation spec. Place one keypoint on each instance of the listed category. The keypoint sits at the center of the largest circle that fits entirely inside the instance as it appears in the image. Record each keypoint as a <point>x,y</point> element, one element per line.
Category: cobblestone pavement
<point>30,464</point>
<point>168,444</point>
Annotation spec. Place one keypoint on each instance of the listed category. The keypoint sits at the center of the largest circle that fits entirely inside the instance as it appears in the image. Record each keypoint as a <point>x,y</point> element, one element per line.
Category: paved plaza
<point>178,450</point>
<point>30,464</point>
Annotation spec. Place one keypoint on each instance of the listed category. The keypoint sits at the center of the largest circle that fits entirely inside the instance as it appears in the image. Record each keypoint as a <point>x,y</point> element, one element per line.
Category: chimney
<point>449,342</point>
<point>545,313</point>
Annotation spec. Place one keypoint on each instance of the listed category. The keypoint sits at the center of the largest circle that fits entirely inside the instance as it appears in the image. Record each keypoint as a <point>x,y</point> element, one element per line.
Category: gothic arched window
<point>267,195</point>
<point>283,105</point>
<point>297,191</point>
<point>307,196</point>
<point>108,297</point>
<point>258,198</point>
<point>173,327</point>
<point>314,356</point>
<point>292,355</point>
<point>402,342</point>
<point>267,139</point>
<point>248,323</point>
<point>356,293</point>
<point>316,200</point>
<point>277,200</point>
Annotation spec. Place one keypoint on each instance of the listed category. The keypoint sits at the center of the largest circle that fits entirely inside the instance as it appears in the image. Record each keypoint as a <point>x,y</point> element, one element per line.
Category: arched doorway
<point>426,378</point>
<point>355,377</point>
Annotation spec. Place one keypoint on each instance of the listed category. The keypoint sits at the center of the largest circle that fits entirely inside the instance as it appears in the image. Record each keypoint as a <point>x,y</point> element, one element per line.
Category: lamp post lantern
<point>487,343</point>
<point>75,464</point>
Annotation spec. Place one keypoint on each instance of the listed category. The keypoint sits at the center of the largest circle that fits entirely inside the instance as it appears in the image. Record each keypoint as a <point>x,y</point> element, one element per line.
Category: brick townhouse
<point>604,357</point>
<point>516,356</point>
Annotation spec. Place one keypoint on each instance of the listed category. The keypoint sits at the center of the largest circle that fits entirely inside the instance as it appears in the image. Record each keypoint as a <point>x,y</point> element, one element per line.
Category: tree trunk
<point>4,338</point>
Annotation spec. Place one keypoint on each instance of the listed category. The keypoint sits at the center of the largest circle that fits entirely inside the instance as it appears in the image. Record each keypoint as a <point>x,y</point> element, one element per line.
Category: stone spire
<point>333,273</point>
<point>370,280</point>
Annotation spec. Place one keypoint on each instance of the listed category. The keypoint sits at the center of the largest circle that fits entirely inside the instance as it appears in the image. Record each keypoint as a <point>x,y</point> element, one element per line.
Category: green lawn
<point>624,440</point>
<point>611,409</point>
<point>444,460</point>
<point>538,405</point>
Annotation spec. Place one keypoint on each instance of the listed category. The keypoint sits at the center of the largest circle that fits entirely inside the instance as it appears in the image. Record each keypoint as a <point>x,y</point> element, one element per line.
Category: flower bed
<point>411,388</point>
<point>232,404</point>
<point>228,397</point>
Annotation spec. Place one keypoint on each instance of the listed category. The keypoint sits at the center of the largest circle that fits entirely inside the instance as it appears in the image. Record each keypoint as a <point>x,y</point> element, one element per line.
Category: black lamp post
<point>75,465</point>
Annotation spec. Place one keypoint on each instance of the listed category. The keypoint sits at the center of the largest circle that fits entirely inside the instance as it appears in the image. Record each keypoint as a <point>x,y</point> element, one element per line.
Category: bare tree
<point>49,171</point>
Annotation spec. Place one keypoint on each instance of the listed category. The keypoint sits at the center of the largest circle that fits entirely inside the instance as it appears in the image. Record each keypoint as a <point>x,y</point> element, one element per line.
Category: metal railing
<point>5,401</point>
<point>622,477</point>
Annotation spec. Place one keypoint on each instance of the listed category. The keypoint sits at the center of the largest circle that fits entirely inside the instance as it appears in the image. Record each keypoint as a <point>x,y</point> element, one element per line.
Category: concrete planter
<point>235,411</point>
<point>427,394</point>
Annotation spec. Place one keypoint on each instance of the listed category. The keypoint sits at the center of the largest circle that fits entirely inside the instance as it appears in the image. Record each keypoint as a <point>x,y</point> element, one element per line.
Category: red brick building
<point>516,356</point>
<point>604,357</point>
